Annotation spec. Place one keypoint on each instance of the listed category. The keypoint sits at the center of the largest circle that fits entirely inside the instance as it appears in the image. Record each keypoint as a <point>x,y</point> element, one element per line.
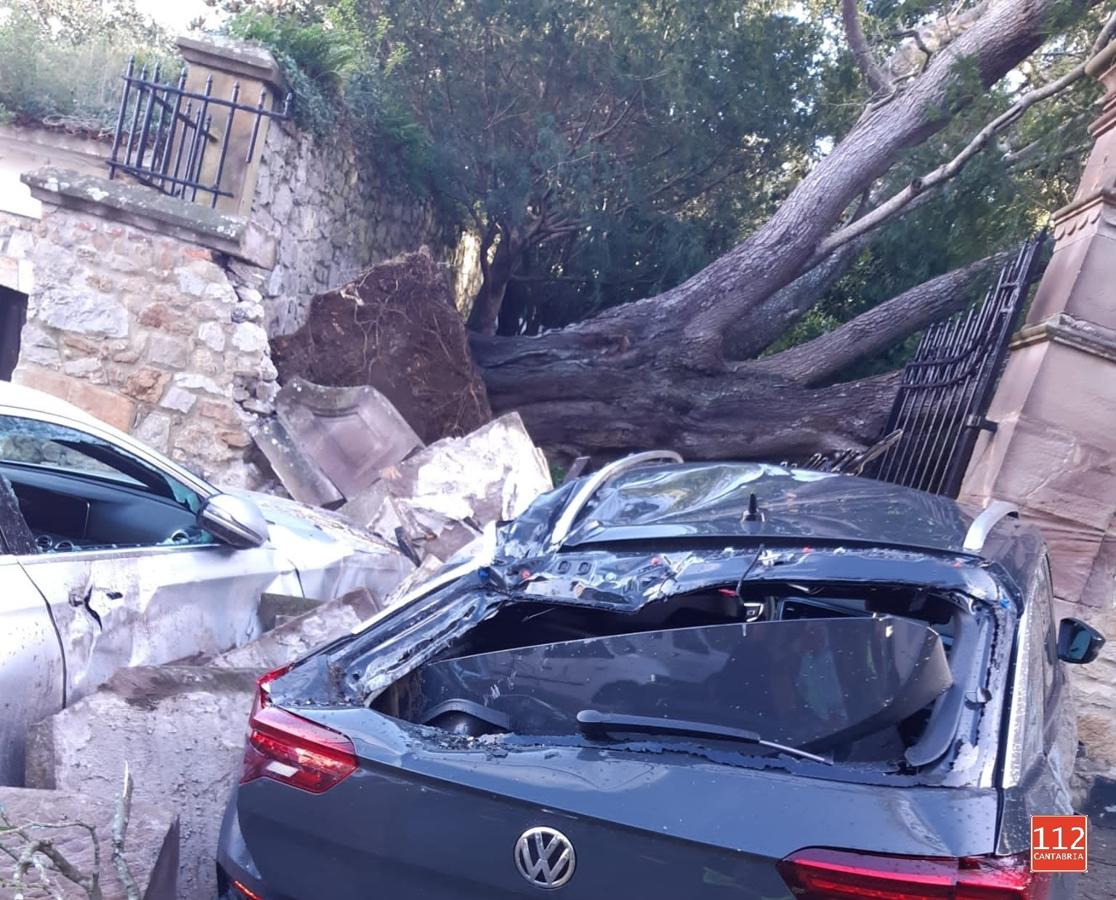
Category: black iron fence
<point>177,140</point>
<point>947,387</point>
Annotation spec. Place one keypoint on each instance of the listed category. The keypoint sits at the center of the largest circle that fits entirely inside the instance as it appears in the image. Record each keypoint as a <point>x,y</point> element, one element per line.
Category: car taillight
<point>293,750</point>
<point>246,892</point>
<point>822,874</point>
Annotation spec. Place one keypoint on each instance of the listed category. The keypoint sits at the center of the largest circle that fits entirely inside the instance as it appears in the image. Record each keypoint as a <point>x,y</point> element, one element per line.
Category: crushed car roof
<point>712,500</point>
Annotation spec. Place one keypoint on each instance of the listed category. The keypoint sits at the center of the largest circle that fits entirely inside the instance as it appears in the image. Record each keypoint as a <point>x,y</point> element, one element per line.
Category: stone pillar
<point>252,71</point>
<point>1054,450</point>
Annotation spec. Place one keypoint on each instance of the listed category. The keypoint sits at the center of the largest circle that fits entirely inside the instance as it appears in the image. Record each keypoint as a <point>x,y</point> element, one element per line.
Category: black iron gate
<point>946,389</point>
<point>177,140</point>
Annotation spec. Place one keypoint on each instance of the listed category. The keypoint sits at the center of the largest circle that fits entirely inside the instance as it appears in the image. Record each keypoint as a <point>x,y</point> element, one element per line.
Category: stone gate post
<point>1054,450</point>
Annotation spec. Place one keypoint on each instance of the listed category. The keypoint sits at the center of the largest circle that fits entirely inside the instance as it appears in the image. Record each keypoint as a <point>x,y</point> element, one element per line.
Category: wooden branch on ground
<point>121,814</point>
<point>37,851</point>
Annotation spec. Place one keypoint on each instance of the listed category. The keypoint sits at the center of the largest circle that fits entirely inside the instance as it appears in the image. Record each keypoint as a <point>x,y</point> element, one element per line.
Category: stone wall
<point>16,240</point>
<point>146,332</point>
<point>155,314</point>
<point>331,218</point>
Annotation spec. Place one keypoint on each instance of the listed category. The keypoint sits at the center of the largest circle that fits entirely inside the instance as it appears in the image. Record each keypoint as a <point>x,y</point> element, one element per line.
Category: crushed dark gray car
<point>681,680</point>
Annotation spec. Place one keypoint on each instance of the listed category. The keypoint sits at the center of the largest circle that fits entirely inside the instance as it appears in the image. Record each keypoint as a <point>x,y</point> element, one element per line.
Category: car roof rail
<point>594,483</point>
<point>988,519</point>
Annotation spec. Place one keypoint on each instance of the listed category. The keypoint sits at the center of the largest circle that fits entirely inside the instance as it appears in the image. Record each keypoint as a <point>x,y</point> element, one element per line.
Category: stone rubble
<point>181,731</point>
<point>443,495</point>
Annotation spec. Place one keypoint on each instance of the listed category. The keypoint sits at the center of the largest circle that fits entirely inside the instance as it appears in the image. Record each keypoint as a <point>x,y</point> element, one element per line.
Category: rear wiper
<point>594,723</point>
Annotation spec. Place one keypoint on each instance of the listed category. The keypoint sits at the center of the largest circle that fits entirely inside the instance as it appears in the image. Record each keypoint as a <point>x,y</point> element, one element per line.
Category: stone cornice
<point>1087,210</point>
<point>1070,331</point>
<point>238,58</point>
<point>151,210</point>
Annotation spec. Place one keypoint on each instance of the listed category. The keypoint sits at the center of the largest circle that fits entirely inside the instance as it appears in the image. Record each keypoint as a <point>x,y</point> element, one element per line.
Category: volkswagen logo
<point>545,857</point>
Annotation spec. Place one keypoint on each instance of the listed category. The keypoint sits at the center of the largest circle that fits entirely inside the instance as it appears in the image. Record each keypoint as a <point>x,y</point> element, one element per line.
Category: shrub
<point>316,60</point>
<point>57,77</point>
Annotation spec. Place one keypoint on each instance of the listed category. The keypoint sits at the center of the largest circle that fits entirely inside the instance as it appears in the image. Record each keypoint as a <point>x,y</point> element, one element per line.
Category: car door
<point>134,592</point>
<point>31,668</point>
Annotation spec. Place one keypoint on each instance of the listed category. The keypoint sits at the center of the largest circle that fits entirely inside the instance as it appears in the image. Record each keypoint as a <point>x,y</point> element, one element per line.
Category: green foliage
<point>315,58</point>
<point>1003,196</point>
<point>336,68</point>
<point>616,147</point>
<point>613,146</point>
<point>61,62</point>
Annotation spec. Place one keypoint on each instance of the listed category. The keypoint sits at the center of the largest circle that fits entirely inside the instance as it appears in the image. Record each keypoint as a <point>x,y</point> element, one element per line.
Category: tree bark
<point>484,317</point>
<point>584,398</point>
<point>815,361</point>
<point>586,392</point>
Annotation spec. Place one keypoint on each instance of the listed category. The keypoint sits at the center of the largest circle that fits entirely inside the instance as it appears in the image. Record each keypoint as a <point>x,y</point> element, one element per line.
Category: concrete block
<point>443,494</point>
<point>302,634</point>
<point>150,845</point>
<point>180,729</point>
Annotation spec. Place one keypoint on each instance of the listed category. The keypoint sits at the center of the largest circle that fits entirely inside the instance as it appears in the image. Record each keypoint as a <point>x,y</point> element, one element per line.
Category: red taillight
<point>821,874</point>
<point>246,892</point>
<point>291,749</point>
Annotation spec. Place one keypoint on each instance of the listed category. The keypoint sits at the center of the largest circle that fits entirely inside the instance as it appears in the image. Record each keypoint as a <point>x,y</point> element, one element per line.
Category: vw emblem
<point>545,857</point>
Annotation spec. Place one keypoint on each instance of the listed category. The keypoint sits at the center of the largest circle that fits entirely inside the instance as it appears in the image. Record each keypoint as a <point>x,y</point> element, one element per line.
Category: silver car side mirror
<point>233,520</point>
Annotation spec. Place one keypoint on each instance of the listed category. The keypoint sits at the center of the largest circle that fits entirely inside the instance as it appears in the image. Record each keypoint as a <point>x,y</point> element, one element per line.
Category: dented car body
<point>112,555</point>
<point>698,680</point>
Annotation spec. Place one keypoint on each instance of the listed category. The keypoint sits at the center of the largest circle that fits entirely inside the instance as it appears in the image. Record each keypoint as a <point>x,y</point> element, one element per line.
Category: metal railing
<point>947,387</point>
<point>165,134</point>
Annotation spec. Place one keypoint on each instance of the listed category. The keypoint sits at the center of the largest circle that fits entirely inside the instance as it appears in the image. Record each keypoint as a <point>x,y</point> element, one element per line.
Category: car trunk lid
<point>429,815</point>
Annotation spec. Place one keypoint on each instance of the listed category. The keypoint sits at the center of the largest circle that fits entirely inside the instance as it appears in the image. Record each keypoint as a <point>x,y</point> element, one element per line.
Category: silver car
<point>112,555</point>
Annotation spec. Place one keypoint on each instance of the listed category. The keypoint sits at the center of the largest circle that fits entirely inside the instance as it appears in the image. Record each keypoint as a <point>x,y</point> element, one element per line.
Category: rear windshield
<point>869,675</point>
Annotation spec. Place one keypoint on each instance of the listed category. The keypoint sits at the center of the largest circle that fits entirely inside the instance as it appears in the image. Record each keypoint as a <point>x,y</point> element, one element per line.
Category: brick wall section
<point>146,332</point>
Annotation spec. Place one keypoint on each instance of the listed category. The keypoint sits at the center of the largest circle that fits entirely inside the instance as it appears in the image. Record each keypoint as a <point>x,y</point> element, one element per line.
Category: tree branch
<point>953,167</point>
<point>752,335</point>
<point>121,814</point>
<point>880,327</point>
<point>862,53</point>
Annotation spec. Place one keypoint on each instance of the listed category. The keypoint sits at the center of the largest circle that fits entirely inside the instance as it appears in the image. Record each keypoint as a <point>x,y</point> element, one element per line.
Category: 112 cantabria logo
<point>1059,844</point>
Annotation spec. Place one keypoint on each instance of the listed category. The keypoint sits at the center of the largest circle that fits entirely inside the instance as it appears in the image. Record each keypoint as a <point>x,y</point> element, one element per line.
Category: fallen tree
<point>679,369</point>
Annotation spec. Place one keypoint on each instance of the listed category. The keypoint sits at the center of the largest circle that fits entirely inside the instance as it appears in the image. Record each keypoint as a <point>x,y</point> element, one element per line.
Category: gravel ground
<point>1099,883</point>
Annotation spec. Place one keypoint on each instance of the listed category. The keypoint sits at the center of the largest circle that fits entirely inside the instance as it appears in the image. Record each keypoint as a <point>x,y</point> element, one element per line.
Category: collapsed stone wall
<point>146,332</point>
<point>332,217</point>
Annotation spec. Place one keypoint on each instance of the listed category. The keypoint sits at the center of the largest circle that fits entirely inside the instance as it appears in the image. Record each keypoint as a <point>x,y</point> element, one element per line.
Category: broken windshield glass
<point>813,684</point>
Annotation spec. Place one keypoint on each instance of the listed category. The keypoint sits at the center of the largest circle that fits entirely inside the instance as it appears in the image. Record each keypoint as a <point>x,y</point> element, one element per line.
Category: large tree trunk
<point>663,371</point>
<point>585,390</point>
<point>587,395</point>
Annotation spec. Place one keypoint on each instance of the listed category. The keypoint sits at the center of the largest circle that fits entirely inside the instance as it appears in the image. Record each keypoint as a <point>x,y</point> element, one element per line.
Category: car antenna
<point>753,513</point>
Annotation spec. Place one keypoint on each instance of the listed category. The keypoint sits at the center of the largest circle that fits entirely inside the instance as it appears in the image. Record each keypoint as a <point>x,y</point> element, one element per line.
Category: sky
<point>175,15</point>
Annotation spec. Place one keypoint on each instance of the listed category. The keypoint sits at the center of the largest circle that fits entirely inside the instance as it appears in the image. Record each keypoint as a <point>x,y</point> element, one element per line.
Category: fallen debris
<point>303,633</point>
<point>350,433</point>
<point>394,328</point>
<point>329,443</point>
<point>80,828</point>
<point>440,498</point>
<point>181,730</point>
<point>299,474</point>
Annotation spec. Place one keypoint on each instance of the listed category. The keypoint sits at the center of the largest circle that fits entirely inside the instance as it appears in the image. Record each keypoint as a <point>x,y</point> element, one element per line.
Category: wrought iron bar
<point>163,132</point>
<point>946,388</point>
<point>225,144</point>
